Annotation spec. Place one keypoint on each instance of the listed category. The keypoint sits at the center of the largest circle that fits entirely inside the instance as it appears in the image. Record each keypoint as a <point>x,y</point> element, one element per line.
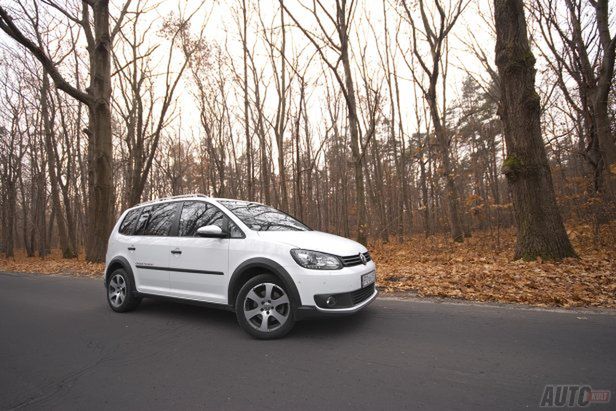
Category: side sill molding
<point>180,270</point>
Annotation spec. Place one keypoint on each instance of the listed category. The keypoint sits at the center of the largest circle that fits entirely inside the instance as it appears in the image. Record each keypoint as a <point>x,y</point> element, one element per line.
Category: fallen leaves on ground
<point>479,270</point>
<point>51,264</point>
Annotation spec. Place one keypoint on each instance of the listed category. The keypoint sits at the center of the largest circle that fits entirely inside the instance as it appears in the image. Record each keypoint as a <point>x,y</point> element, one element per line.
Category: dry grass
<point>475,270</point>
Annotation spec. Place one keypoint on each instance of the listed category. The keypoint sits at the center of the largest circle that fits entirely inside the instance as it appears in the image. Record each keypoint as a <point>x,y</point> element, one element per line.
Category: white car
<point>247,257</point>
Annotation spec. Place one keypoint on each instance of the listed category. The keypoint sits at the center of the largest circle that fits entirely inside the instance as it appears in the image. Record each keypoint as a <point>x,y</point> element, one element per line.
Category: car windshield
<point>259,217</point>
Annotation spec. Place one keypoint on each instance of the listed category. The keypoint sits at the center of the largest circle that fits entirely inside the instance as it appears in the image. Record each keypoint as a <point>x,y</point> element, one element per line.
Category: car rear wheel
<point>264,308</point>
<point>121,291</point>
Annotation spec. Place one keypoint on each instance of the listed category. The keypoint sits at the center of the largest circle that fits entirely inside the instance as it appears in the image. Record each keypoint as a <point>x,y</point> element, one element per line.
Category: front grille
<point>353,260</point>
<point>362,294</point>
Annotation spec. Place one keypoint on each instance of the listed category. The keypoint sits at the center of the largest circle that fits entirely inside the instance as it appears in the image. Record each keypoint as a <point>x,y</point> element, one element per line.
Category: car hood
<point>316,241</point>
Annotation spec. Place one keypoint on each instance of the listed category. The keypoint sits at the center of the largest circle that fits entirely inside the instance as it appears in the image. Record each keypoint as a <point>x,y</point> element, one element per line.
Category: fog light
<point>331,301</point>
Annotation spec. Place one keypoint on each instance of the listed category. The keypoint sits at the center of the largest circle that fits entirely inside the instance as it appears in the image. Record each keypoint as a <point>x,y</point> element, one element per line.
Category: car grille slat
<point>362,294</point>
<point>353,260</point>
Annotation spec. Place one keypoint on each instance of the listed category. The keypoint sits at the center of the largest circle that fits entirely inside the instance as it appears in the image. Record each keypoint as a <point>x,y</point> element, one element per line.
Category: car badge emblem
<point>363,259</point>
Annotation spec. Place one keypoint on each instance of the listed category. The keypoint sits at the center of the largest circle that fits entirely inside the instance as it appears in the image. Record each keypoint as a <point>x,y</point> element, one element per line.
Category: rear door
<point>199,270</point>
<point>153,245</point>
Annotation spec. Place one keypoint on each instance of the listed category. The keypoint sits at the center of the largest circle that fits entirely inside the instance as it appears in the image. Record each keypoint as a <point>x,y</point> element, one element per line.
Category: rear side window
<point>159,219</point>
<point>143,220</point>
<point>128,224</point>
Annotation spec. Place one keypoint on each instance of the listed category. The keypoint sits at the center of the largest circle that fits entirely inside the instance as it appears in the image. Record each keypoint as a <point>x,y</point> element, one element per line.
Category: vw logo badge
<point>363,259</point>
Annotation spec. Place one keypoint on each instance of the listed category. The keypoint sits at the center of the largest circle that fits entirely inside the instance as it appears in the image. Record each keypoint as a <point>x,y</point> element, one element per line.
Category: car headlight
<point>316,260</point>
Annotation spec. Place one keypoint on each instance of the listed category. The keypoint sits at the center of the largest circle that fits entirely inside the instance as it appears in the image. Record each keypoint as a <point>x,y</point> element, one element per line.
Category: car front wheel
<point>264,308</point>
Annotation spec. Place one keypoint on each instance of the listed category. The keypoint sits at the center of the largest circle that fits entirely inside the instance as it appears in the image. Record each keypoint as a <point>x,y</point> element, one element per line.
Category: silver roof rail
<point>157,200</point>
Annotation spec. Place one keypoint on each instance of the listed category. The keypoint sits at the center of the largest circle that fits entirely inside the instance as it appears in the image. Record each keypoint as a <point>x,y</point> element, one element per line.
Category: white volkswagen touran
<point>242,256</point>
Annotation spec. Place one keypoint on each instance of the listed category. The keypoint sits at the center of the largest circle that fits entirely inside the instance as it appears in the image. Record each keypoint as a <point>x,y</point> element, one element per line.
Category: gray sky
<point>222,29</point>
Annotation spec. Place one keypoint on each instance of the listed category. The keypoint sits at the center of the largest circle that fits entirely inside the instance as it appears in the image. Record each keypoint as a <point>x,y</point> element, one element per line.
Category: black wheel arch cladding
<point>251,267</point>
<point>114,264</point>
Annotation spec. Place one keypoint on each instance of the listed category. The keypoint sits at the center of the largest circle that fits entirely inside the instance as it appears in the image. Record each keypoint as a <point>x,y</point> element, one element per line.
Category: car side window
<point>160,219</point>
<point>144,217</point>
<point>234,230</point>
<point>191,218</point>
<point>128,224</point>
<point>196,214</point>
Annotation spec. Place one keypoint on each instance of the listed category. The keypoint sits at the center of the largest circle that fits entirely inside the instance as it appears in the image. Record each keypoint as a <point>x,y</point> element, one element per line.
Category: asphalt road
<point>61,347</point>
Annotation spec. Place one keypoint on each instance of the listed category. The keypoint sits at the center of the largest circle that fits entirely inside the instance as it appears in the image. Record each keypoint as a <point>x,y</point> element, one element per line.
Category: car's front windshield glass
<point>259,217</point>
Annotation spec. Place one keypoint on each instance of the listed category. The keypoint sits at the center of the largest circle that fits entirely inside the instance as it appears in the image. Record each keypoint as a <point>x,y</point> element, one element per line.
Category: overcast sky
<point>222,30</point>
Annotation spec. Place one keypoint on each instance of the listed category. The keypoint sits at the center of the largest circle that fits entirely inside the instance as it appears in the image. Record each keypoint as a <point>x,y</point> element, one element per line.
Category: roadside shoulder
<point>412,297</point>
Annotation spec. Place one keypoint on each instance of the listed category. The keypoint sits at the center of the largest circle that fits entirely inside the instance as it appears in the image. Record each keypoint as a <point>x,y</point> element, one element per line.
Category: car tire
<point>264,307</point>
<point>121,291</point>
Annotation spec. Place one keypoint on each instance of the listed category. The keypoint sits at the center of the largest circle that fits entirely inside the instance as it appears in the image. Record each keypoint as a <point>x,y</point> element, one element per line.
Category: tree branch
<point>7,25</point>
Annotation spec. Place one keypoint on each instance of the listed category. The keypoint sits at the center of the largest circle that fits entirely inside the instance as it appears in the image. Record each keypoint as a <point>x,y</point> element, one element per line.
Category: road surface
<point>61,347</point>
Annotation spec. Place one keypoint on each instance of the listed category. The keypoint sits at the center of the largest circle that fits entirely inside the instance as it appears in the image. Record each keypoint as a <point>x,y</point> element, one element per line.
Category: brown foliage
<point>476,270</point>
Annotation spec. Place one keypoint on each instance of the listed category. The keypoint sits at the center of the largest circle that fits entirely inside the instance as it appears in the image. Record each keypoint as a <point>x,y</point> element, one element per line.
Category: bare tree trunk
<point>249,166</point>
<point>399,159</point>
<point>436,31</point>
<point>100,172</point>
<point>360,191</point>
<point>599,94</point>
<point>281,115</point>
<point>424,195</point>
<point>65,186</point>
<point>260,129</point>
<point>11,209</point>
<point>67,250</point>
<point>541,232</point>
<point>40,224</point>
<point>24,215</point>
<point>451,190</point>
<point>299,209</point>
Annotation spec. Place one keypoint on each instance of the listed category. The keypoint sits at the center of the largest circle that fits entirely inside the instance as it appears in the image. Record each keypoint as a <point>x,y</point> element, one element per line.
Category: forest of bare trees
<point>375,120</point>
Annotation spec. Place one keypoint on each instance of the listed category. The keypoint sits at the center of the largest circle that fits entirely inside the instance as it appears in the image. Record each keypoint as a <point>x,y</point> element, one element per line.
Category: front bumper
<point>305,312</point>
<point>340,301</point>
<point>350,309</point>
<point>316,282</point>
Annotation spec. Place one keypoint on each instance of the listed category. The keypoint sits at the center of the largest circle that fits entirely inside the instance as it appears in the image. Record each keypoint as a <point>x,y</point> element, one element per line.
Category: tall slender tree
<point>340,22</point>
<point>435,69</point>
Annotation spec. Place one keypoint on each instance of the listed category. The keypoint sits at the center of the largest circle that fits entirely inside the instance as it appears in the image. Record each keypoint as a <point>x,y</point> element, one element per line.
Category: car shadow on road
<point>324,327</point>
<point>202,315</point>
<point>185,311</point>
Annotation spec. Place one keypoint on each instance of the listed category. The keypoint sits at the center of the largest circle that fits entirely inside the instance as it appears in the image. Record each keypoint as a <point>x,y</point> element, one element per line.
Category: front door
<point>198,268</point>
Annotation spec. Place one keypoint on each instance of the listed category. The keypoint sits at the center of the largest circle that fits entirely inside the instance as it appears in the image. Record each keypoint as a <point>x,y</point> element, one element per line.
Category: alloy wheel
<point>266,307</point>
<point>117,290</point>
